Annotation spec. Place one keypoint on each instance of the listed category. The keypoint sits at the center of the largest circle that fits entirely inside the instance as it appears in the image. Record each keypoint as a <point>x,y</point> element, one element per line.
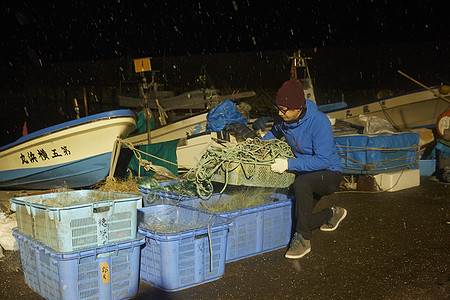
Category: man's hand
<point>280,165</point>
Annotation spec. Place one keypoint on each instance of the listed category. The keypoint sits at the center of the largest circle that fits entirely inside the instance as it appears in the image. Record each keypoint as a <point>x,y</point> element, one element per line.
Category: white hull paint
<point>84,146</point>
<point>177,130</point>
<point>411,110</point>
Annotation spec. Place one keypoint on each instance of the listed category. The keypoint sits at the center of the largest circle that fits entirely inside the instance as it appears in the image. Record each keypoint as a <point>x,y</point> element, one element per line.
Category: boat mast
<point>142,65</point>
<point>305,76</point>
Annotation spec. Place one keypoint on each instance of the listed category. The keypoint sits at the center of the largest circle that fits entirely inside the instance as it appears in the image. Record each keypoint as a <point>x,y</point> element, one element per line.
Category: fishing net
<point>72,198</point>
<point>239,199</point>
<point>129,185</point>
<point>244,155</point>
<point>168,219</point>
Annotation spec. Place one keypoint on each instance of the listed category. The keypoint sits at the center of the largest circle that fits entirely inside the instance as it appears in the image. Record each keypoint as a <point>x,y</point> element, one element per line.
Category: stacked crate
<point>80,244</point>
<point>184,246</point>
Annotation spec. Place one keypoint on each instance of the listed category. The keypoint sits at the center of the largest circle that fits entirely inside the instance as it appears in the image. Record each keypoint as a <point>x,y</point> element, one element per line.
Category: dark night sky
<point>44,32</point>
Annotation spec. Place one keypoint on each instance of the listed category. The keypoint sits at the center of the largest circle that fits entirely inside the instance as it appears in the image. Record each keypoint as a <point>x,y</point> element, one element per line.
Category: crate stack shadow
<point>79,244</point>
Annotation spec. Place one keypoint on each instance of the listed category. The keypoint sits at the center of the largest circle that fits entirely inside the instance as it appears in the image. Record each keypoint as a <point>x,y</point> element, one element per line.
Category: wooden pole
<point>424,86</point>
<point>85,101</point>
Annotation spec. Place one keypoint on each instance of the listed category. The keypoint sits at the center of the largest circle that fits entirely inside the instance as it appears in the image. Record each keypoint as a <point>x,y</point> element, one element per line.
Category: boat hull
<point>417,109</point>
<point>74,154</point>
<point>170,132</point>
<point>75,174</point>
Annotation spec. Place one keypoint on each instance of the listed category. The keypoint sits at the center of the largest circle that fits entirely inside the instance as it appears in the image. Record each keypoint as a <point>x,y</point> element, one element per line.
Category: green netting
<point>141,124</point>
<point>165,150</point>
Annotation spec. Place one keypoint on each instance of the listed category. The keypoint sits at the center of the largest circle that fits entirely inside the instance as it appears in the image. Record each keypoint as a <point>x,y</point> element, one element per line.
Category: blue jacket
<point>311,139</point>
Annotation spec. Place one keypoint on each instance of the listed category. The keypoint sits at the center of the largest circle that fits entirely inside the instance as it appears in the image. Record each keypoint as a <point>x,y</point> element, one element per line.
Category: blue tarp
<point>222,114</point>
<point>363,154</point>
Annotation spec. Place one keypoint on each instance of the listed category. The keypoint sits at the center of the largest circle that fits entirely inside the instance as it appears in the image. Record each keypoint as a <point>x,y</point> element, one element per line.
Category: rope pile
<point>252,151</point>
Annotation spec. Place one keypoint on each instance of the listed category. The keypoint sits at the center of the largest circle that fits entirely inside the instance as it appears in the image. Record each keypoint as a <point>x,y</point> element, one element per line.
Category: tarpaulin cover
<point>363,154</point>
<point>223,114</point>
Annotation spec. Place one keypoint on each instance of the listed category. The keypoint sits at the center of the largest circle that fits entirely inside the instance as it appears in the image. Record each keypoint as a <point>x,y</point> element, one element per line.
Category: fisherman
<point>316,163</point>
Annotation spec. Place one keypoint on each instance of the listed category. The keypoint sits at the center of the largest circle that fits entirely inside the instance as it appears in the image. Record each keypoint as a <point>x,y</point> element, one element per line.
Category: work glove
<point>280,165</point>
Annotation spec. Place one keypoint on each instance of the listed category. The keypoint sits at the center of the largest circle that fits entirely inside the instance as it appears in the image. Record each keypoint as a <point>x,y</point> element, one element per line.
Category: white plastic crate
<point>108,272</point>
<point>185,258</point>
<point>75,220</point>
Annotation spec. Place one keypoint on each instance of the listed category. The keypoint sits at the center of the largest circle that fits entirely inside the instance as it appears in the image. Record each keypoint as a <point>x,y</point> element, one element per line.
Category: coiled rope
<point>244,154</point>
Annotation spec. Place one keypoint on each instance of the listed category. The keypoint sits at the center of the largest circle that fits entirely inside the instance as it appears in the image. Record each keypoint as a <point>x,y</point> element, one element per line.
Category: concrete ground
<point>392,245</point>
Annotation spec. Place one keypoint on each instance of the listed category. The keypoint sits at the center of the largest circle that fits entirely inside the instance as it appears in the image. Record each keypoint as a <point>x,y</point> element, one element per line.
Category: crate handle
<point>105,254</point>
<point>100,209</point>
<point>200,236</point>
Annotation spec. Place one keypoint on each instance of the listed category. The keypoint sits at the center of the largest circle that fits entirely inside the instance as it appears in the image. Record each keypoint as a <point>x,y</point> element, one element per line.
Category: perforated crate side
<point>277,227</point>
<point>256,229</point>
<point>245,237</point>
<point>79,227</point>
<point>78,275</point>
<point>256,175</point>
<point>180,264</point>
<point>28,257</point>
<point>24,223</point>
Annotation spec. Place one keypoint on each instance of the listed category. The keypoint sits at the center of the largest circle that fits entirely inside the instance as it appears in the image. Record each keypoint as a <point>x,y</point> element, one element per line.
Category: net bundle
<point>252,151</point>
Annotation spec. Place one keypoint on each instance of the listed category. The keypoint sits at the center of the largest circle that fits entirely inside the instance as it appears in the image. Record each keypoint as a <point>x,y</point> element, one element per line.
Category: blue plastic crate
<point>427,167</point>
<point>174,261</point>
<point>76,220</point>
<point>109,272</point>
<point>256,229</point>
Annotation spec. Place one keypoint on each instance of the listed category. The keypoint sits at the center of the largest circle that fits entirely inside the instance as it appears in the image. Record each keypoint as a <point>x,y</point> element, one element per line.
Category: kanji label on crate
<point>104,269</point>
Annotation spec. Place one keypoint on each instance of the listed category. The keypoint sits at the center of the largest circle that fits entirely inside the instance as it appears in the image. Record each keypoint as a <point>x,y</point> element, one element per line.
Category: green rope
<point>244,154</point>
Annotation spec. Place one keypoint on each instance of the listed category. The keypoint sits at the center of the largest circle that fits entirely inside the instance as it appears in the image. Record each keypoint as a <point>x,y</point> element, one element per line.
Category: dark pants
<point>309,189</point>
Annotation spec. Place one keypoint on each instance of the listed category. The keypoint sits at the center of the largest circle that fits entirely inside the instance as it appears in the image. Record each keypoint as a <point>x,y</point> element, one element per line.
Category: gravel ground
<point>392,245</point>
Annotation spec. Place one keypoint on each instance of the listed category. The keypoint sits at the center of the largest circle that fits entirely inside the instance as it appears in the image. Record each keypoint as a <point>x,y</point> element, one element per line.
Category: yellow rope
<point>210,248</point>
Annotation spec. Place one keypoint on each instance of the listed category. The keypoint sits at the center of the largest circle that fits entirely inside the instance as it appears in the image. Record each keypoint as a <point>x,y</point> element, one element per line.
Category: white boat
<point>73,154</point>
<point>193,140</point>
<point>416,109</point>
<point>170,132</point>
<point>196,99</point>
<point>190,131</point>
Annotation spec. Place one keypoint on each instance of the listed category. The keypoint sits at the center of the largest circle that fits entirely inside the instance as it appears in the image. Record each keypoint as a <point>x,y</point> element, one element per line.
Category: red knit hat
<point>291,94</point>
